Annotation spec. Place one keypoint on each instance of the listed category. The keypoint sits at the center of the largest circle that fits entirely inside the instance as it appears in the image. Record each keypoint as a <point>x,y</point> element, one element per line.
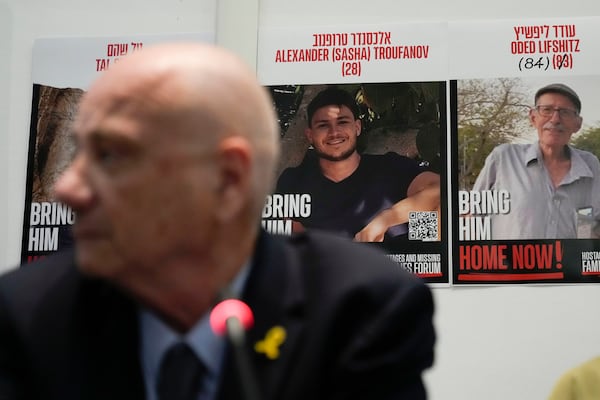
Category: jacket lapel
<point>274,292</point>
<point>108,326</point>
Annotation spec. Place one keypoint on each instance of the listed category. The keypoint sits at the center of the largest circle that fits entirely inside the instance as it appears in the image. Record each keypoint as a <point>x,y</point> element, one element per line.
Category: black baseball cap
<point>560,89</point>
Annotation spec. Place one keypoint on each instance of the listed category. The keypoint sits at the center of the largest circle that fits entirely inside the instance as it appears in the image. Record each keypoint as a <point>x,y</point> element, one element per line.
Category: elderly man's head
<point>556,115</point>
<point>176,151</point>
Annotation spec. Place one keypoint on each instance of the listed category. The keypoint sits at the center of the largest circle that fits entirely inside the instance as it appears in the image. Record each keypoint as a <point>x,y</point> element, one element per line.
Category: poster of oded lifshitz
<point>63,68</point>
<point>526,122</point>
<point>362,115</point>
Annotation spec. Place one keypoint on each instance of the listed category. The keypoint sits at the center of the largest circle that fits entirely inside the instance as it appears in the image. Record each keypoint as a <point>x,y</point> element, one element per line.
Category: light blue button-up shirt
<point>538,210</point>
<point>156,338</point>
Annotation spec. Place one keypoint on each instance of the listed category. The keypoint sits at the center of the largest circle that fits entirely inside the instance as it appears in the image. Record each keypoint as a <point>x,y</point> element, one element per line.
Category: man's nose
<point>72,188</point>
<point>555,115</point>
<point>334,130</point>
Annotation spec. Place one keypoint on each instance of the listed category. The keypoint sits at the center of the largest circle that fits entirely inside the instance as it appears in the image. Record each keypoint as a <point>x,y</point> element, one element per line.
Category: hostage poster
<point>62,70</point>
<point>525,124</point>
<point>362,114</point>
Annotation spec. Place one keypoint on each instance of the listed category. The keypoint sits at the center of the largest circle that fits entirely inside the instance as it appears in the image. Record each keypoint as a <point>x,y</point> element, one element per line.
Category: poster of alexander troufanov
<point>362,115</point>
<point>525,128</point>
<point>63,68</point>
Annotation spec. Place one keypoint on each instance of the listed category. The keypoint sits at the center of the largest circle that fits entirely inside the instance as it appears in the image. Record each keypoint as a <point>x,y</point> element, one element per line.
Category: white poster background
<point>524,47</point>
<point>405,52</point>
<point>76,62</point>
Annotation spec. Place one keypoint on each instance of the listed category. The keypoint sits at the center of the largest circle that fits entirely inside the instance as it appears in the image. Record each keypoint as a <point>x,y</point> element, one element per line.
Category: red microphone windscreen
<point>227,309</point>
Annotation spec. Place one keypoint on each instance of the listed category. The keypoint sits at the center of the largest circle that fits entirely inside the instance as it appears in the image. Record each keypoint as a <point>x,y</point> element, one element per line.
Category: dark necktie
<point>180,374</point>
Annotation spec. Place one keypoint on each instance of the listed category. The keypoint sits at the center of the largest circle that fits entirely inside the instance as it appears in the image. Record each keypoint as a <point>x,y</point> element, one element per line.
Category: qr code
<point>423,225</point>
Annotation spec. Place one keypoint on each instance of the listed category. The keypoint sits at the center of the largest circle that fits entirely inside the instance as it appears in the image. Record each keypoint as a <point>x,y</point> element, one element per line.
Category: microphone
<point>231,318</point>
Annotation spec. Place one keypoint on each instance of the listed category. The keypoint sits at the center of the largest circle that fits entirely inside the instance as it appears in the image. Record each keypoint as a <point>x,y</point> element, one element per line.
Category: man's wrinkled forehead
<point>105,114</point>
<point>123,88</point>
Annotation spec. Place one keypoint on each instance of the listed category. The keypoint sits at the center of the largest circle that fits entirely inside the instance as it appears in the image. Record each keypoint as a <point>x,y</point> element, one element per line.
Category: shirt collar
<point>579,168</point>
<point>532,153</point>
<point>157,337</point>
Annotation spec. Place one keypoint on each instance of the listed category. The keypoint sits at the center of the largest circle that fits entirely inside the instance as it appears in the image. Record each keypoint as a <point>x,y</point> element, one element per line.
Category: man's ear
<point>579,123</point>
<point>358,124</point>
<point>532,116</point>
<point>308,134</point>
<point>235,164</point>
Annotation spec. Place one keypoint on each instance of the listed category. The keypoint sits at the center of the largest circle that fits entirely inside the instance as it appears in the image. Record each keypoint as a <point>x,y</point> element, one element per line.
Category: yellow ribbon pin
<point>269,346</point>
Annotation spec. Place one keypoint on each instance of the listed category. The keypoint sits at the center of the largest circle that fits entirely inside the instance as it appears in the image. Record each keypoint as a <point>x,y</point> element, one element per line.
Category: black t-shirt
<point>345,207</point>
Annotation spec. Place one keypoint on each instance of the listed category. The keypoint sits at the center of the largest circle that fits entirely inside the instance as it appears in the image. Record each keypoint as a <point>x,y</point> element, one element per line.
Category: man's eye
<point>107,156</point>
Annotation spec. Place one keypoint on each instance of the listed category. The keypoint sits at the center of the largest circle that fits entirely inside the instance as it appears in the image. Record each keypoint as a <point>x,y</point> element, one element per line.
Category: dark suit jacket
<point>357,326</point>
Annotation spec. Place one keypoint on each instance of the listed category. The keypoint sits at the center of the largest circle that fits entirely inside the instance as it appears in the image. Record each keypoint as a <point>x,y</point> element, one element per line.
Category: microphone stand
<point>235,334</point>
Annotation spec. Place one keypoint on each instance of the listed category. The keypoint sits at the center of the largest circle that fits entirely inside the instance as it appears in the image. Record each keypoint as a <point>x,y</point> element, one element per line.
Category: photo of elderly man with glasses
<point>554,188</point>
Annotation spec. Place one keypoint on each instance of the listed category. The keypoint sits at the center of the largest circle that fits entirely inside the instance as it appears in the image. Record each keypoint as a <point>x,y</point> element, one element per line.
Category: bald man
<point>176,151</point>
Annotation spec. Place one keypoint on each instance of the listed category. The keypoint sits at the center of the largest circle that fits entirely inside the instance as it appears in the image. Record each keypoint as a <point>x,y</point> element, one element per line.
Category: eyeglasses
<point>548,111</point>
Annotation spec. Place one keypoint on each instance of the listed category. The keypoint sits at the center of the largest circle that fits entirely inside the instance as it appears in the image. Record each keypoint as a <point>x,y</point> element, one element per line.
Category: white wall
<point>493,343</point>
